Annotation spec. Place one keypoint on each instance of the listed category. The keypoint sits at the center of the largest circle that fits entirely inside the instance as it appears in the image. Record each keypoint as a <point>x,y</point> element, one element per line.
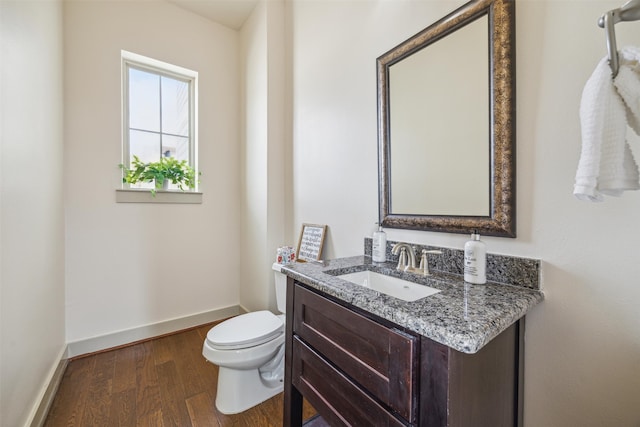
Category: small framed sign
<point>311,242</point>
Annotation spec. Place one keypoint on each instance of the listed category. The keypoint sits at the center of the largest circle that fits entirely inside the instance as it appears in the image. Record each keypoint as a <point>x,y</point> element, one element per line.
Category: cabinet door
<point>334,395</point>
<point>382,360</point>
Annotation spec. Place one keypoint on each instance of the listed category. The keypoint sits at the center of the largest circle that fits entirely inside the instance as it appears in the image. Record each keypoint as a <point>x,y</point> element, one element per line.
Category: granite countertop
<point>462,316</point>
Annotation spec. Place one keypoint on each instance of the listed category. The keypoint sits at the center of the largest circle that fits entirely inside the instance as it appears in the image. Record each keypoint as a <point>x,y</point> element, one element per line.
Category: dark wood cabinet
<point>359,370</point>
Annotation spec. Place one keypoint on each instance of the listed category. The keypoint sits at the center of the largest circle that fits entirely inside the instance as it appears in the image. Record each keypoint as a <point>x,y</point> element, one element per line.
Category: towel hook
<point>608,19</point>
<point>630,11</point>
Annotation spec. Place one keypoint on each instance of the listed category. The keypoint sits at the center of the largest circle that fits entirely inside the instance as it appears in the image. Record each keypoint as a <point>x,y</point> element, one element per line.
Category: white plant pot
<point>164,187</point>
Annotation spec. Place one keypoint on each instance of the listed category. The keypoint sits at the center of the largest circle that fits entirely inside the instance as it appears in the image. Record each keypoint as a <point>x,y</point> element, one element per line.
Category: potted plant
<point>161,173</point>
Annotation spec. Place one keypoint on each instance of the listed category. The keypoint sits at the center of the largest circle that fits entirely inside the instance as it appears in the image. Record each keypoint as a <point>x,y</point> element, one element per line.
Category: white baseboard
<point>128,336</point>
<point>48,392</point>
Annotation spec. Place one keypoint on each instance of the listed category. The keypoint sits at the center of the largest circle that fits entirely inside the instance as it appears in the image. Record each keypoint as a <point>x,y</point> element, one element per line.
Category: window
<point>159,112</point>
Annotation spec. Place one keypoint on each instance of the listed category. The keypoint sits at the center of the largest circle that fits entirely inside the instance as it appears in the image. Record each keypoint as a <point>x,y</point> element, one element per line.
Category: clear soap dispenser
<point>379,247</point>
<point>475,260</point>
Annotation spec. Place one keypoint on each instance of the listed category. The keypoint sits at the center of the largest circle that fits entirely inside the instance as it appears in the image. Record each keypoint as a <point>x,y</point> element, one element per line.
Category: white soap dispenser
<point>475,260</point>
<point>379,249</point>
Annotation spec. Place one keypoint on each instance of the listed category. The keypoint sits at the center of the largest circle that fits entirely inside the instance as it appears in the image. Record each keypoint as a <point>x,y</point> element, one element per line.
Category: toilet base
<point>239,390</point>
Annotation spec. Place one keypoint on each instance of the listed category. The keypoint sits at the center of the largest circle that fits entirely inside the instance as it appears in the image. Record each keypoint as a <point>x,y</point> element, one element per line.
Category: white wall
<point>583,342</point>
<point>131,265</point>
<point>32,329</point>
<point>263,152</point>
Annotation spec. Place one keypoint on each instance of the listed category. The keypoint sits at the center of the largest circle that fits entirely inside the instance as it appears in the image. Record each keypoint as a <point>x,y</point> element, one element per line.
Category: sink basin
<point>397,288</point>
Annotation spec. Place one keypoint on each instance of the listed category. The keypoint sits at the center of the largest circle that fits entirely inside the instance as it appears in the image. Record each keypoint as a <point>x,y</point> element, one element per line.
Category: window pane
<point>144,100</point>
<point>175,146</point>
<point>158,106</point>
<point>145,145</point>
<point>175,107</point>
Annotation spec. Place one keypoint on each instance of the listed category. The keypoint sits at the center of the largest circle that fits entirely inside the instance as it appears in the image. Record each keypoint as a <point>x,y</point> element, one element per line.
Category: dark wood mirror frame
<point>501,222</point>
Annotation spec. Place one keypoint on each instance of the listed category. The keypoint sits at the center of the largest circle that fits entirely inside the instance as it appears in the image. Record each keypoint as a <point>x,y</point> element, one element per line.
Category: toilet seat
<point>246,330</point>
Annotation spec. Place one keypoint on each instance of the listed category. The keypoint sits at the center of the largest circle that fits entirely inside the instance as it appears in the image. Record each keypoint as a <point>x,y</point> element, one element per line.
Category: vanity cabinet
<point>357,369</point>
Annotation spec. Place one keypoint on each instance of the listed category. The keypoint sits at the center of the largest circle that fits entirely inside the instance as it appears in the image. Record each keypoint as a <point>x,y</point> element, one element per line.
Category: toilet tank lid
<point>246,330</point>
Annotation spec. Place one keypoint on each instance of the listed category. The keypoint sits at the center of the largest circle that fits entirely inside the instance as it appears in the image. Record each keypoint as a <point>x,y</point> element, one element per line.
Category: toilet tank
<point>281,287</point>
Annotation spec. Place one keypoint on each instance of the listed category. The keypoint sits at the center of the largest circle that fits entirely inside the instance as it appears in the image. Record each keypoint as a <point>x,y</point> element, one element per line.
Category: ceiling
<point>230,13</point>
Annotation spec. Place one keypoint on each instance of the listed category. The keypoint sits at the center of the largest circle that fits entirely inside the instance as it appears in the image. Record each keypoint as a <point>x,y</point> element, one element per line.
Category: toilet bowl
<point>249,351</point>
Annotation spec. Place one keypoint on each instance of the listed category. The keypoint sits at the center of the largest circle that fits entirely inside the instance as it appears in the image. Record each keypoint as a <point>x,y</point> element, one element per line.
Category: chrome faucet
<point>409,265</point>
<point>404,249</point>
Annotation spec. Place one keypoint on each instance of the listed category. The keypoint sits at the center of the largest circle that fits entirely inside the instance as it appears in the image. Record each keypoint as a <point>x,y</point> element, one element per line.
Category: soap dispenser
<point>475,260</point>
<point>379,249</point>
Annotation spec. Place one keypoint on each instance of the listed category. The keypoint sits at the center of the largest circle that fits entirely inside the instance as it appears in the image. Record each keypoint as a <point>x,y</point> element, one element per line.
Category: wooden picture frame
<point>311,242</point>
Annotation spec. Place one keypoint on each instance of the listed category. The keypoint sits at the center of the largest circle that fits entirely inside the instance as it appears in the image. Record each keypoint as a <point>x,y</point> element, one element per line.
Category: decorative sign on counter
<point>311,241</point>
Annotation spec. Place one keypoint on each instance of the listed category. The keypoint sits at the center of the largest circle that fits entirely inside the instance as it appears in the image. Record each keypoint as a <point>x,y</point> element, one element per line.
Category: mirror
<point>446,124</point>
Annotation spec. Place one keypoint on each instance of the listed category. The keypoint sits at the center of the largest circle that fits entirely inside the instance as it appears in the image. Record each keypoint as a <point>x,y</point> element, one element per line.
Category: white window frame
<point>133,60</point>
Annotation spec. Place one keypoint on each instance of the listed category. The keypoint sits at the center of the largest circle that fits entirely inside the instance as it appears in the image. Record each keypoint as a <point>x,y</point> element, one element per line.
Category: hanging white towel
<point>606,165</point>
<point>627,84</point>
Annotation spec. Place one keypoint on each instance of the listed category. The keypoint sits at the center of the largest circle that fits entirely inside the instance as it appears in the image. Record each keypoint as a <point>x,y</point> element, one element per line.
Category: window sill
<point>145,196</point>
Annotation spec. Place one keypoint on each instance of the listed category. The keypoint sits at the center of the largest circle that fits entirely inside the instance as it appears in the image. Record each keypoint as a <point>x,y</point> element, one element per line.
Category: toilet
<point>249,350</point>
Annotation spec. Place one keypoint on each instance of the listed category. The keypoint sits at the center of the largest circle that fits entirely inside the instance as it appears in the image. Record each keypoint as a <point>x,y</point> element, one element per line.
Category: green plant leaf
<point>176,171</point>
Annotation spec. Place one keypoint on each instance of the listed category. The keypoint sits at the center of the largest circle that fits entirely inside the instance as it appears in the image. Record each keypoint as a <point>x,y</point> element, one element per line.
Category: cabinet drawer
<point>335,396</point>
<point>380,359</point>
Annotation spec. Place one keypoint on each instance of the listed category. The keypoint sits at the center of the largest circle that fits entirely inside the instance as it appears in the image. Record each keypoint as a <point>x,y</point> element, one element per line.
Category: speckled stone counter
<point>462,316</point>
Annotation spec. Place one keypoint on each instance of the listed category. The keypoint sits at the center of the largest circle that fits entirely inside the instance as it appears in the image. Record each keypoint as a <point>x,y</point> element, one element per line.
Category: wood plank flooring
<point>161,383</point>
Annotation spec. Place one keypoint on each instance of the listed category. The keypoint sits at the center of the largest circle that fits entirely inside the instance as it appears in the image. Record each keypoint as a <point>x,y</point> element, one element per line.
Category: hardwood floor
<point>162,382</point>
